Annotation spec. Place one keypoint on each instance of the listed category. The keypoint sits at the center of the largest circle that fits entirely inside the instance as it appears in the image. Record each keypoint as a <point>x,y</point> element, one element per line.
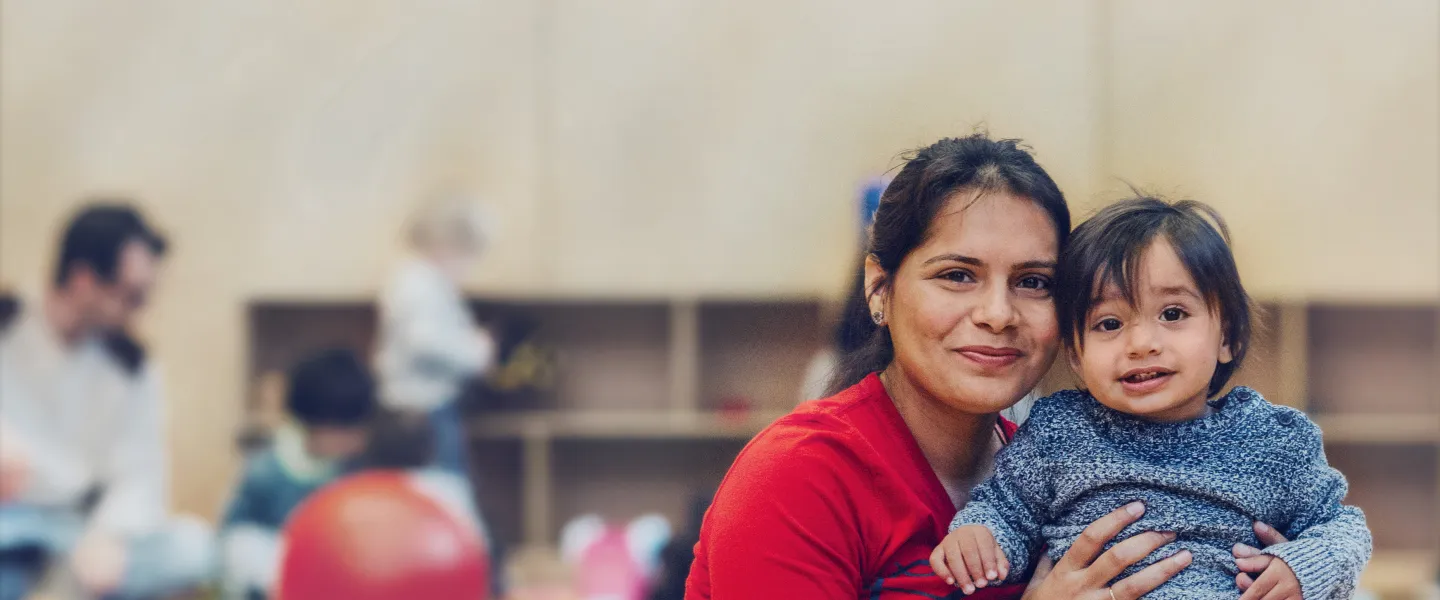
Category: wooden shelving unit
<point>656,396</point>
<point>653,398</point>
<point>1369,376</point>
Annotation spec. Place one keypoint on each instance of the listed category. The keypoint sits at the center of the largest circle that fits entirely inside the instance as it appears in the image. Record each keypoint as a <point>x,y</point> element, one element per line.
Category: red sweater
<point>833,501</point>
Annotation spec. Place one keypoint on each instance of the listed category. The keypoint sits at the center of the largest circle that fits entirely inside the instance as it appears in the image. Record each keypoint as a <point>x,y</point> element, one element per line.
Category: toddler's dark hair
<point>332,388</point>
<point>1108,247</point>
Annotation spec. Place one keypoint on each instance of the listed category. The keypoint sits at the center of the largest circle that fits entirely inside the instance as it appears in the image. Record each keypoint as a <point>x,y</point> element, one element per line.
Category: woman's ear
<point>877,291</point>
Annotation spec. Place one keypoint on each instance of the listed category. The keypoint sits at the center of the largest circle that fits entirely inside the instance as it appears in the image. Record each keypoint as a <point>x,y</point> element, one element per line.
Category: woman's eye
<point>1035,282</point>
<point>1108,324</point>
<point>958,276</point>
<point>1172,314</point>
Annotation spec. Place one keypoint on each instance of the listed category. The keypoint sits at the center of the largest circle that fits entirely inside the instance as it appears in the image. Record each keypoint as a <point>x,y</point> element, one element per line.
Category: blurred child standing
<point>429,345</point>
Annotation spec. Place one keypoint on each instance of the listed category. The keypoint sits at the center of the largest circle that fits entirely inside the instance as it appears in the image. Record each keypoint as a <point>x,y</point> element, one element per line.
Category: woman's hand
<point>1081,575</point>
<point>1276,580</point>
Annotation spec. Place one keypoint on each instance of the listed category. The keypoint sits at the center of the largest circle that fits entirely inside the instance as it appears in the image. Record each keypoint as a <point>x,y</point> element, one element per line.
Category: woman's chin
<point>987,398</point>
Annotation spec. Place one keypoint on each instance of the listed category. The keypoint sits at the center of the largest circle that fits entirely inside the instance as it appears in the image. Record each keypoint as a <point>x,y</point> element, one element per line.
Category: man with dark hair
<point>84,482</point>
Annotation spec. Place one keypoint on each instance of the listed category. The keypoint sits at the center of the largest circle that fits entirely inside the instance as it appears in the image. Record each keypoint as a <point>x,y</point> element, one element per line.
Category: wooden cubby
<point>753,353</point>
<point>499,465</point>
<point>625,478</point>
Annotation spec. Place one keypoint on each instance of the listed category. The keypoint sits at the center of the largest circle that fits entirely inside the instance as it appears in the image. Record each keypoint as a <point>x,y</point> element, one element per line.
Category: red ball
<point>377,536</point>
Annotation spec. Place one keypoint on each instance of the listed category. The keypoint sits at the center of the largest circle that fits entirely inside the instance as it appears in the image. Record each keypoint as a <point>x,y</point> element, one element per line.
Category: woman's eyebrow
<point>960,258</point>
<point>1036,264</point>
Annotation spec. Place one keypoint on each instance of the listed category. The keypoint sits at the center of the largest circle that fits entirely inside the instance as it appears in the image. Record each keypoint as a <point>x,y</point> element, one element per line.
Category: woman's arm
<point>785,524</point>
<point>1084,572</point>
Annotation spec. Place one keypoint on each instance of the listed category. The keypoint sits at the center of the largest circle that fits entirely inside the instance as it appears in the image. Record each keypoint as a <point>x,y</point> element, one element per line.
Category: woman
<point>847,497</point>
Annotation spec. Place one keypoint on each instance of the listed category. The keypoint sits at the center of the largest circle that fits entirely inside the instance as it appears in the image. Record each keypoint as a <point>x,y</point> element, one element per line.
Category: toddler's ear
<point>1225,355</point>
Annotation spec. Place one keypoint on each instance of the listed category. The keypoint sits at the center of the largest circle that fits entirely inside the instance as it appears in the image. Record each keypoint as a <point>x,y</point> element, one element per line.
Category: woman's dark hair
<point>929,178</point>
<point>1107,249</point>
<point>854,329</point>
<point>332,388</point>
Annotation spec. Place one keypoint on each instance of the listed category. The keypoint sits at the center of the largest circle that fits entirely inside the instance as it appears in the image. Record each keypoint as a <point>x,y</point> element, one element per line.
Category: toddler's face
<point>1153,360</point>
<point>335,443</point>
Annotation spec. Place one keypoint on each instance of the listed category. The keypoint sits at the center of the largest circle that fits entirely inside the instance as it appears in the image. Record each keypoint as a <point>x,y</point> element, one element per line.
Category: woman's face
<point>969,310</point>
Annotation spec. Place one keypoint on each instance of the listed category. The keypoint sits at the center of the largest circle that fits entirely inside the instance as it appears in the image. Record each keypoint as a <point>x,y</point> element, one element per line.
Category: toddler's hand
<point>1276,581</point>
<point>969,558</point>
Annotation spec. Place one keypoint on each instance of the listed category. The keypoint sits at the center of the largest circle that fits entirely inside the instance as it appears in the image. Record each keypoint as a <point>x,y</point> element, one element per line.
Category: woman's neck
<point>958,445</point>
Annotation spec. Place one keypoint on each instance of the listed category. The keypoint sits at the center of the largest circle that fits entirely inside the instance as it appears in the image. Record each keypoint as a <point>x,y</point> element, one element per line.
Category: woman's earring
<point>878,317</point>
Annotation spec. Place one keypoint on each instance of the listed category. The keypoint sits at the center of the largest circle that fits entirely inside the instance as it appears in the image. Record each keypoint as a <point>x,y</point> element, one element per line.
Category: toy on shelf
<point>614,562</point>
<point>524,369</point>
<point>539,573</point>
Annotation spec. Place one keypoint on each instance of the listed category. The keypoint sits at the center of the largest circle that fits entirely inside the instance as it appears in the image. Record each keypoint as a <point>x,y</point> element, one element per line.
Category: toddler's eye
<point>1108,324</point>
<point>1172,314</point>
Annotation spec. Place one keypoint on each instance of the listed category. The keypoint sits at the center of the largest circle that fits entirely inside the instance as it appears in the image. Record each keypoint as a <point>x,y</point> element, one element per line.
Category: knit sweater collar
<point>1225,412</point>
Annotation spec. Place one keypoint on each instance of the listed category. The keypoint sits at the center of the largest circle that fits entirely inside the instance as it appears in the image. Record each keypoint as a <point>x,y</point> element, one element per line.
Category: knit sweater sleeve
<point>1330,542</point>
<point>1013,501</point>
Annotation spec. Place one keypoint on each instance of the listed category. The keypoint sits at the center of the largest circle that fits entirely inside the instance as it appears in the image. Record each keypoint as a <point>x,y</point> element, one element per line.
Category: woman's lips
<point>991,357</point>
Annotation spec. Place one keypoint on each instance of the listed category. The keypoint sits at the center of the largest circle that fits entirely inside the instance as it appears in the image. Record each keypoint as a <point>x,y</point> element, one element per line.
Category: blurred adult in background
<point>85,477</point>
<point>429,346</point>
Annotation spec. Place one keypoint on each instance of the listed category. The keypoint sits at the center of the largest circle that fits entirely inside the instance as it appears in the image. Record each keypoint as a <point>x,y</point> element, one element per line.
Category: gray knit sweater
<point>1075,460</point>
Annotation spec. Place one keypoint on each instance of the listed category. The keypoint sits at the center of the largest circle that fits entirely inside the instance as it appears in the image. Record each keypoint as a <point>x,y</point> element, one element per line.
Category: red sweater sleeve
<point>785,523</point>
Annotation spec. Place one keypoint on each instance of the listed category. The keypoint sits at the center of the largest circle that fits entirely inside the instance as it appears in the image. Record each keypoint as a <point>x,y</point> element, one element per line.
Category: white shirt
<point>428,343</point>
<point>81,420</point>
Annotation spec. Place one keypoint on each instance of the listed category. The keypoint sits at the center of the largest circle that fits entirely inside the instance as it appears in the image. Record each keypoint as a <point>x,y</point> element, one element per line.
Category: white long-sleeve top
<point>428,342</point>
<point>81,420</point>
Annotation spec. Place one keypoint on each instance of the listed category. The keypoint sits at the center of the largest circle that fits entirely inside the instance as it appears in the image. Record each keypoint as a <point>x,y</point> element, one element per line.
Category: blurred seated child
<point>403,440</point>
<point>331,399</point>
